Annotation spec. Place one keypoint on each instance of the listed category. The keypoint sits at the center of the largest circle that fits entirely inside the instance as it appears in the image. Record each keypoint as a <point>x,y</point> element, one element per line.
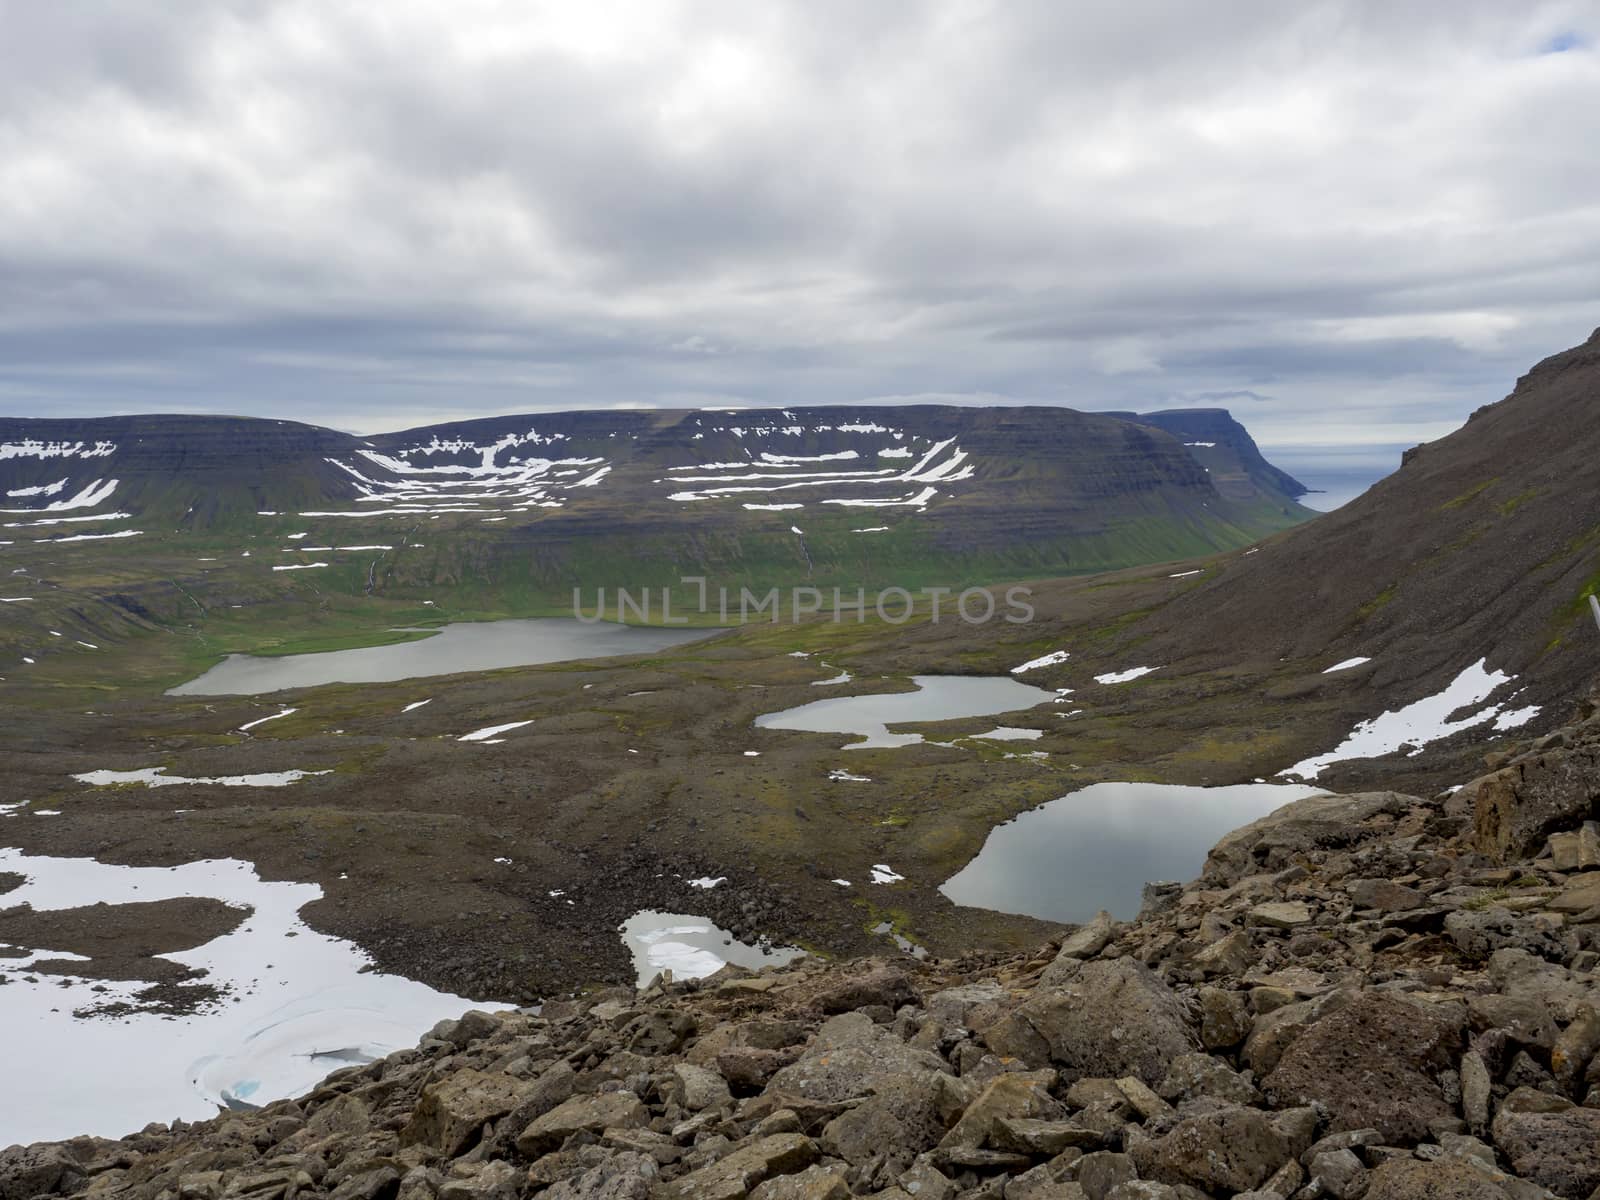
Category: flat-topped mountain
<point>545,502</point>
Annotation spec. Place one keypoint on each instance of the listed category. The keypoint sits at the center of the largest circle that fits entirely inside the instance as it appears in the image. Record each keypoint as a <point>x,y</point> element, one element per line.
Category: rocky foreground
<point>1370,995</point>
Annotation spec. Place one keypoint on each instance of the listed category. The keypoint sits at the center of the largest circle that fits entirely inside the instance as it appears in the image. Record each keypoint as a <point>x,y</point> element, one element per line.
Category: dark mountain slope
<point>1484,541</point>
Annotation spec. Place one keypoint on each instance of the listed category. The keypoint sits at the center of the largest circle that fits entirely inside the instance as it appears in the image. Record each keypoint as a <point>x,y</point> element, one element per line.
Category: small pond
<point>937,698</point>
<point>466,646</point>
<point>1097,847</point>
<point>691,947</point>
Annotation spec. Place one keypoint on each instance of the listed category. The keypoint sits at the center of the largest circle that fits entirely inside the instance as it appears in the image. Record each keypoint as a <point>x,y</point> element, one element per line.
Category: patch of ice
<point>841,677</point>
<point>1417,724</point>
<point>1044,660</point>
<point>158,777</point>
<point>1011,733</point>
<point>1346,665</point>
<point>691,947</point>
<point>297,1007</point>
<point>1124,676</point>
<point>483,735</point>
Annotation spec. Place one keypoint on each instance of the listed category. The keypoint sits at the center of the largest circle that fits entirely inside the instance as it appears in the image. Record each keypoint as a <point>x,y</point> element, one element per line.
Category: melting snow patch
<point>841,677</point>
<point>1426,720</point>
<point>842,882</point>
<point>797,529</point>
<point>483,735</point>
<point>1010,733</point>
<point>691,947</point>
<point>771,507</point>
<point>158,777</point>
<point>883,873</point>
<point>1346,665</point>
<point>872,529</point>
<point>1184,574</point>
<point>416,704</point>
<point>96,537</point>
<point>752,754</point>
<point>706,882</point>
<point>263,720</point>
<point>842,776</point>
<point>292,996</point>
<point>1124,676</point>
<point>301,566</point>
<point>1044,660</point>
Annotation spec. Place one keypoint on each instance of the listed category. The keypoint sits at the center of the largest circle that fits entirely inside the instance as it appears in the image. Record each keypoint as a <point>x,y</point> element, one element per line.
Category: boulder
<point>1113,1018</point>
<point>1557,1150</point>
<point>736,1175</point>
<point>816,1182</point>
<point>1315,822</point>
<point>1191,1076</point>
<point>869,984</point>
<point>1516,808</point>
<point>1479,933</point>
<point>1440,1179</point>
<point>451,1112</point>
<point>27,1171</point>
<point>1100,1172</point>
<point>623,1176</point>
<point>1224,1018</point>
<point>1281,914</point>
<point>582,1114</point>
<point>696,1088</point>
<point>847,1058</point>
<point>1231,1150</point>
<point>1025,1094</point>
<point>1375,1062</point>
<point>1384,895</point>
<point>906,1115</point>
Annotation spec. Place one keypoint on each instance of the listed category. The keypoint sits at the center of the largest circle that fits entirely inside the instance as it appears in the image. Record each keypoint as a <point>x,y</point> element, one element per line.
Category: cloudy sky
<point>1351,223</point>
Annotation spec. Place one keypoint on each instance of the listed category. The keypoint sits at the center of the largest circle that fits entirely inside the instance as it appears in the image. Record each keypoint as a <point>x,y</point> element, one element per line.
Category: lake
<point>937,698</point>
<point>1097,847</point>
<point>465,646</point>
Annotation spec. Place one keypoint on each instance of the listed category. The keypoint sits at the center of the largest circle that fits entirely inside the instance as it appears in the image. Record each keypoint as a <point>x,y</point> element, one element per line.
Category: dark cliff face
<point>1485,543</point>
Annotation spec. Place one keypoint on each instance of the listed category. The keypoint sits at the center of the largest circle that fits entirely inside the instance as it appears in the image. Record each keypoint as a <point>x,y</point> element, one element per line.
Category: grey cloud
<point>370,214</point>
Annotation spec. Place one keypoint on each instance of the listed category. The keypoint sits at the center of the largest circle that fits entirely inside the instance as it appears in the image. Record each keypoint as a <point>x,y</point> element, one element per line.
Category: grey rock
<point>816,1182</point>
<point>451,1112</point>
<point>1558,1150</point>
<point>1479,933</point>
<point>1224,1018</point>
<point>1475,1091</point>
<point>582,1114</point>
<point>735,1176</point>
<point>1101,1171</point>
<point>1114,1018</point>
<point>1193,1075</point>
<point>1232,1150</point>
<point>847,1058</point>
<point>625,1176</point>
<point>1314,822</point>
<point>1375,1062</point>
<point>1339,1172</point>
